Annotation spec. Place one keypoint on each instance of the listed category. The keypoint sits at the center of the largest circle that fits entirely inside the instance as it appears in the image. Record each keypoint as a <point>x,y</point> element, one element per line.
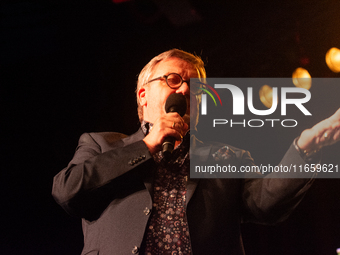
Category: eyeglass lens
<point>175,80</point>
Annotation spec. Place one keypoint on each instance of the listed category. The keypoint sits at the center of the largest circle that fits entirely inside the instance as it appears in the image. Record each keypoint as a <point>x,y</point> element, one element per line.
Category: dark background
<point>69,67</point>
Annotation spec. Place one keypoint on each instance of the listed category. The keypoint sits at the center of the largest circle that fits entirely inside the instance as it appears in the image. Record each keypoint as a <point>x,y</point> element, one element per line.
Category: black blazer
<point>108,183</point>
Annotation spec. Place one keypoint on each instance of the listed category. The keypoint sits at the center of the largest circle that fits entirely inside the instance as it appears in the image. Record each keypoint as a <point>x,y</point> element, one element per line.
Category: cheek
<point>160,100</point>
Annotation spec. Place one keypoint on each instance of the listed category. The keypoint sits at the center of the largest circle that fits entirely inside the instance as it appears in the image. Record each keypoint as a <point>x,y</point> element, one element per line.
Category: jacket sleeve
<point>93,178</point>
<point>271,199</point>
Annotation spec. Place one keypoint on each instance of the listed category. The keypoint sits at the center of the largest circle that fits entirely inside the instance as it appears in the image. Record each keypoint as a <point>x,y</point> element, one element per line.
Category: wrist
<point>306,154</point>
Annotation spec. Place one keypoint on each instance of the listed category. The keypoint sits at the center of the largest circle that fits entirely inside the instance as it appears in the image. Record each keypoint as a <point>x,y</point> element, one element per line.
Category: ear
<point>142,96</point>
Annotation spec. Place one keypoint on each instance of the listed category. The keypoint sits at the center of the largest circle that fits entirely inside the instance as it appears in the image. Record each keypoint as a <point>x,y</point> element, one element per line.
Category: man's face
<point>154,95</point>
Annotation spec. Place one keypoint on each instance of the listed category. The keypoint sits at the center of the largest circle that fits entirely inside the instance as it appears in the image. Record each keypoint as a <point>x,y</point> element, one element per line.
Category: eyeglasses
<point>175,81</point>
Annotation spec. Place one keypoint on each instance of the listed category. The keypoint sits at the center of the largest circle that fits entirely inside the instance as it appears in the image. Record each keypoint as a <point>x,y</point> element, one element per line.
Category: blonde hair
<point>146,72</point>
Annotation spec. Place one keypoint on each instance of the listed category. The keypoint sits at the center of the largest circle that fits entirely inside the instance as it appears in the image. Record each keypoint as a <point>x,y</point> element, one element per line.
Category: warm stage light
<point>333,59</point>
<point>302,78</point>
<point>266,95</point>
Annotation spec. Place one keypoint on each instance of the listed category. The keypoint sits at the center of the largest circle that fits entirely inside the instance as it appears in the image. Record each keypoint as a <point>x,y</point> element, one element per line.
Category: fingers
<point>181,128</point>
<point>330,136</point>
<point>173,125</point>
<point>324,133</point>
<point>327,131</point>
<point>170,124</point>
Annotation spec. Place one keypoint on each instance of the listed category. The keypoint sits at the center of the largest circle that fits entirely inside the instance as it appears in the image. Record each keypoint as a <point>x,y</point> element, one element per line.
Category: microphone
<point>174,103</point>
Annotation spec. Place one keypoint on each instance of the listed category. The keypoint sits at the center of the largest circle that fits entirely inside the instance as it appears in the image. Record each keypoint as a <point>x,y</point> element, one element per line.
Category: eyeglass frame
<point>166,80</point>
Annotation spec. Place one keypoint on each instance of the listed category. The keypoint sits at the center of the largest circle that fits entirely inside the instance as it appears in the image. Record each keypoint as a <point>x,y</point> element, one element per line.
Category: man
<point>131,200</point>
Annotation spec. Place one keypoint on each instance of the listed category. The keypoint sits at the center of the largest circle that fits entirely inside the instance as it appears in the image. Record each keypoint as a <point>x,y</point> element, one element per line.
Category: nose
<point>184,88</point>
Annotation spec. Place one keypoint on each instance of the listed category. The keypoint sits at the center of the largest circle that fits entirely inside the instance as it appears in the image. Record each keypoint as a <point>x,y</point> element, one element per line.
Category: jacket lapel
<point>191,187</point>
<point>201,152</point>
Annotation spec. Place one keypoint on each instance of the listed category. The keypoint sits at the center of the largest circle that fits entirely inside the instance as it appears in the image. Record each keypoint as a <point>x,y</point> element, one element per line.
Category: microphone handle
<point>168,146</point>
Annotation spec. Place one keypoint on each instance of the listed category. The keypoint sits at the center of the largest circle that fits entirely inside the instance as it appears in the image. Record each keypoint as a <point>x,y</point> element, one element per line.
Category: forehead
<point>175,65</point>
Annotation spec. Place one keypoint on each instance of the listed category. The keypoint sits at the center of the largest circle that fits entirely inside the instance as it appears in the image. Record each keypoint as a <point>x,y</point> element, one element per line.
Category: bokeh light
<point>333,59</point>
<point>266,95</point>
<point>302,78</point>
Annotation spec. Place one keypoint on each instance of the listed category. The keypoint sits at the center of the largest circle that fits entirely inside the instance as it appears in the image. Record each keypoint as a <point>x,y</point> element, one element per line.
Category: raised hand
<point>170,124</point>
<point>324,133</point>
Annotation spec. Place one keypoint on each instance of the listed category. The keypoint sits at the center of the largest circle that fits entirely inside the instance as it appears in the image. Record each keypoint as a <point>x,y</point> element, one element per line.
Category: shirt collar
<point>146,127</point>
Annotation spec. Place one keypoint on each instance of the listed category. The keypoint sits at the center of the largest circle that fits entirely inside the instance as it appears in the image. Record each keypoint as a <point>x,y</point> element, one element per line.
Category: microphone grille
<point>176,103</point>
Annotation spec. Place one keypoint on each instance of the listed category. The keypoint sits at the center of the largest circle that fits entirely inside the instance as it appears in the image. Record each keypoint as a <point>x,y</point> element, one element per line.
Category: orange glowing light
<point>302,78</point>
<point>333,59</point>
<point>266,95</point>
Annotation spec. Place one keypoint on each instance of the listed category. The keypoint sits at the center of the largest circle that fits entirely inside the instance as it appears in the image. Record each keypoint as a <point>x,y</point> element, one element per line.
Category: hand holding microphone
<point>174,103</point>
<point>168,127</point>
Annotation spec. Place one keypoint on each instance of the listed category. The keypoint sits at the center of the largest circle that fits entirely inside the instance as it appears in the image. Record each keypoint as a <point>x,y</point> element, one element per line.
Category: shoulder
<point>218,148</point>
<point>222,151</point>
<point>103,140</point>
<point>107,137</point>
<point>215,147</point>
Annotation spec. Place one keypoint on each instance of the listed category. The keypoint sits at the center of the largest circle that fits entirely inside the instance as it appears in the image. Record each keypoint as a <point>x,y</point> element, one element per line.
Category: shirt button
<point>135,250</point>
<point>147,211</point>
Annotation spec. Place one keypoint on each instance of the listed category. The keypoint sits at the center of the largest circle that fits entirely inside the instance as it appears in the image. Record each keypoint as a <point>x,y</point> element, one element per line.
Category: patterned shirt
<point>167,231</point>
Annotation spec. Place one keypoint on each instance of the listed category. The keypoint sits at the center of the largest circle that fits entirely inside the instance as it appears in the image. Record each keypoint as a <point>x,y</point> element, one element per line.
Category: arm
<point>272,198</point>
<point>94,178</point>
